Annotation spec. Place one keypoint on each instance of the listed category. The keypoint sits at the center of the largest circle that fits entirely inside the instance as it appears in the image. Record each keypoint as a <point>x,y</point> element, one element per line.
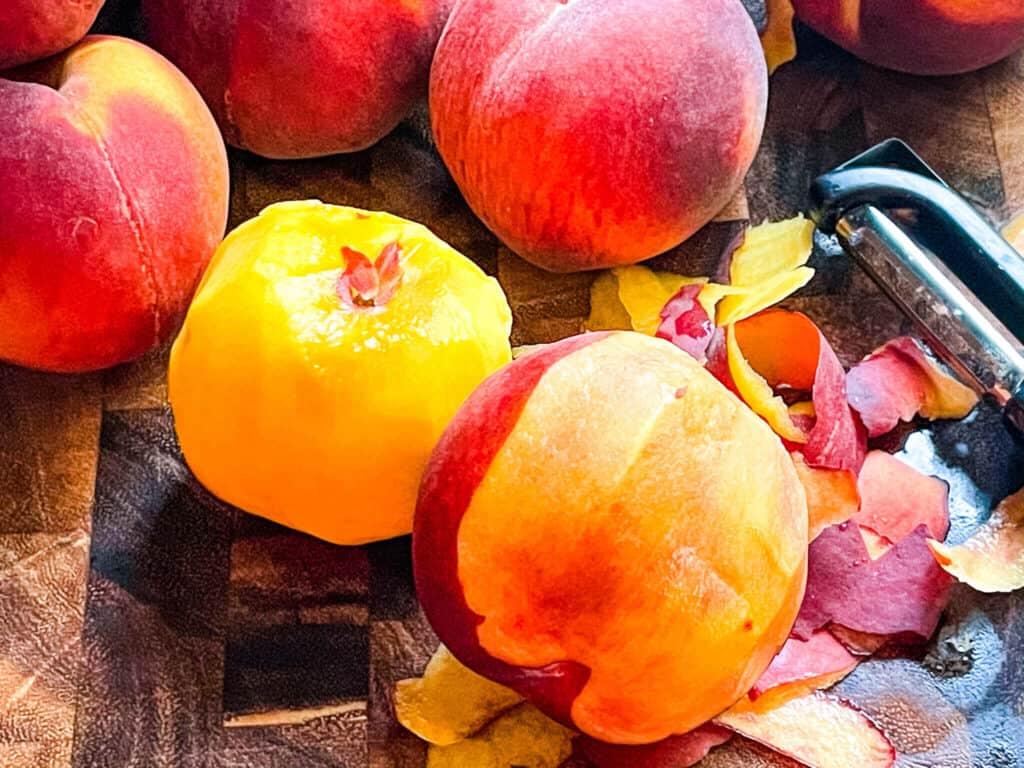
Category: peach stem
<point>364,283</point>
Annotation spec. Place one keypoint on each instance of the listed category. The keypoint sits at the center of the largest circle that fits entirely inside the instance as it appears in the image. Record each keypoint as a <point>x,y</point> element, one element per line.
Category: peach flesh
<point>555,605</point>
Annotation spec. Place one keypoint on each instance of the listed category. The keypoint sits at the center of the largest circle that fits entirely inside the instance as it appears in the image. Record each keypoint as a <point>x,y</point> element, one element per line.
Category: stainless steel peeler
<point>939,260</point>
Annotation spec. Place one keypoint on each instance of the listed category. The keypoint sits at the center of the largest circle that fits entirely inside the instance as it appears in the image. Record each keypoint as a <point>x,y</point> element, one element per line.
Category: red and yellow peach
<point>113,196</point>
<point>302,78</point>
<point>596,133</point>
<point>34,29</point>
<point>924,37</point>
<point>607,530</point>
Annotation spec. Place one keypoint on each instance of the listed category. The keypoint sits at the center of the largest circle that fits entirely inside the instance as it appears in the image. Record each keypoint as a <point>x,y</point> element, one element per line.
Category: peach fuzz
<point>924,37</point>
<point>302,78</point>
<point>597,133</point>
<point>34,29</point>
<point>607,530</point>
<point>113,193</point>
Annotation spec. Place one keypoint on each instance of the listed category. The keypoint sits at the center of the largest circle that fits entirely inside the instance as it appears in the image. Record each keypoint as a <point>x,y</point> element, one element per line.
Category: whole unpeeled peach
<point>606,529</point>
<point>924,37</point>
<point>302,78</point>
<point>34,29</point>
<point>595,133</point>
<point>113,196</point>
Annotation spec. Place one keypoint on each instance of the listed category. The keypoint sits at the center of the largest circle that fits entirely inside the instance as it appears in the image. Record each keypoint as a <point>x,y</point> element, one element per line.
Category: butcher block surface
<point>145,623</point>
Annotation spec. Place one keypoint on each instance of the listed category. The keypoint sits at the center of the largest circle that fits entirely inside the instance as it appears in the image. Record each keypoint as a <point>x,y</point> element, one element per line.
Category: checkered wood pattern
<point>144,623</point>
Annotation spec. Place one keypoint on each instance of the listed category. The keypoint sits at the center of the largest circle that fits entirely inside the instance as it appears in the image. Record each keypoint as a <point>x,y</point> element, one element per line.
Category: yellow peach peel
<point>523,737</point>
<point>991,560</point>
<point>323,355</point>
<point>738,307</point>
<point>771,249</point>
<point>643,293</point>
<point>1013,231</point>
<point>631,298</point>
<point>758,394</point>
<point>450,702</point>
<point>815,730</point>
<point>778,39</point>
<point>769,266</point>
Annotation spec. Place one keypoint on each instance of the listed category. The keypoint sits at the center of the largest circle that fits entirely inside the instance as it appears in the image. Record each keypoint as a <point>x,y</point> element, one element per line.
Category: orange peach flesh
<point>615,528</point>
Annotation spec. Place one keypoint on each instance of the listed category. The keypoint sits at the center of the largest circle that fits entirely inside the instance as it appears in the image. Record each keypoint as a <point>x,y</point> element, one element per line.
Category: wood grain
<point>195,635</point>
<point>1004,98</point>
<point>49,444</point>
<point>947,121</point>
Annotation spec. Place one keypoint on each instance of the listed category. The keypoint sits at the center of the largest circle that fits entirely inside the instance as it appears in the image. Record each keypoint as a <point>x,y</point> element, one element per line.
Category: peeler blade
<point>958,281</point>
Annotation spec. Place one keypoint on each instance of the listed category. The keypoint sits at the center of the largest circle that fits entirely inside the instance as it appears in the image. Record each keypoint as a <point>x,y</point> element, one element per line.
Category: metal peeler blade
<point>958,281</point>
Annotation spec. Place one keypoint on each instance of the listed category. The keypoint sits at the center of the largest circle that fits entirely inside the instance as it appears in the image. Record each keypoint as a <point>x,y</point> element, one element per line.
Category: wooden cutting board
<point>144,623</point>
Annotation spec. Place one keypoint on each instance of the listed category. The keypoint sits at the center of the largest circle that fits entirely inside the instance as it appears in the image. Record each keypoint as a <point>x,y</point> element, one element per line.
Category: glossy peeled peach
<point>924,37</point>
<point>302,78</point>
<point>597,133</point>
<point>325,352</point>
<point>113,197</point>
<point>34,29</point>
<point>607,530</point>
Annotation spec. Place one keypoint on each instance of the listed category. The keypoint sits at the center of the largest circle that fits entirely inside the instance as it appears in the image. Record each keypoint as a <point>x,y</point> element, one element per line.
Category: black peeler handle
<point>971,249</point>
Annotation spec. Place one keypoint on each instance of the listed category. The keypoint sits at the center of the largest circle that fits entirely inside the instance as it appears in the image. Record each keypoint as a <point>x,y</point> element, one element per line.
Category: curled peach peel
<point>777,38</point>
<point>832,495</point>
<point>898,381</point>
<point>767,267</point>
<point>522,737</point>
<point>450,701</point>
<point>643,293</point>
<point>992,560</point>
<point>816,730</point>
<point>632,298</point>
<point>800,668</point>
<point>896,498</point>
<point>859,643</point>
<point>901,592</point>
<point>560,606</point>
<point>758,394</point>
<point>686,323</point>
<point>777,348</point>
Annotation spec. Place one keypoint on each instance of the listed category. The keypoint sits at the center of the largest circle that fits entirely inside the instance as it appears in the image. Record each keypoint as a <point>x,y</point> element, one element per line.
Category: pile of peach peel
<point>879,572</point>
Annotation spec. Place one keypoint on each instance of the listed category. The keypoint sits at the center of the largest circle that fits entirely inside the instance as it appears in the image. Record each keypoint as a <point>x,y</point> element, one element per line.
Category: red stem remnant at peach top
<point>364,283</point>
<point>685,323</point>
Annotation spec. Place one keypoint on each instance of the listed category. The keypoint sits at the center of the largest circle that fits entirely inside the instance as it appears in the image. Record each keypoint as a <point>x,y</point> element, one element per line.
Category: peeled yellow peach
<point>326,350</point>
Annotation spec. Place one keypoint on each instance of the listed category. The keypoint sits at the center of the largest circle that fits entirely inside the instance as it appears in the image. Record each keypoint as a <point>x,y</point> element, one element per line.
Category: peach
<point>607,530</point>
<point>597,133</point>
<point>113,196</point>
<point>302,78</point>
<point>924,37</point>
<point>34,29</point>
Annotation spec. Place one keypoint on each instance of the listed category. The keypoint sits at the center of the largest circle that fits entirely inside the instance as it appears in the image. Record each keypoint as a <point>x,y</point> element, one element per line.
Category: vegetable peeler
<point>933,253</point>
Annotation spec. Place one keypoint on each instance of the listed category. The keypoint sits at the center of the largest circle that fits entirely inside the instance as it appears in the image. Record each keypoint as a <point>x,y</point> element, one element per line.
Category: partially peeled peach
<point>606,529</point>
